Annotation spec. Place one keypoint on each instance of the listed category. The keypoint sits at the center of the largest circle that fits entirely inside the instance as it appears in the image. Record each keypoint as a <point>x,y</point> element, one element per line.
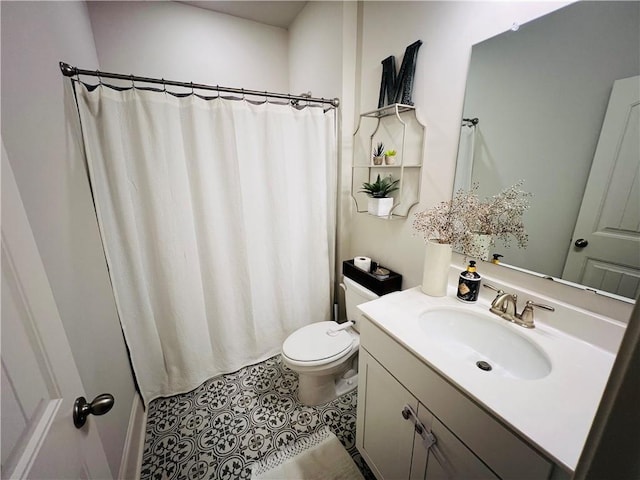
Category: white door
<point>40,380</point>
<point>605,250</point>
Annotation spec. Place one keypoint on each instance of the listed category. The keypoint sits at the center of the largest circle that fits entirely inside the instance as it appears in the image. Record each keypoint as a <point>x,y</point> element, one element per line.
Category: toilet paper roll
<point>363,263</point>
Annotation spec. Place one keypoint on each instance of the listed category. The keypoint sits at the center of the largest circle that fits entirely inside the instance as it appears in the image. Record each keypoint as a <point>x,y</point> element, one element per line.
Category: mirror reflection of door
<point>605,253</point>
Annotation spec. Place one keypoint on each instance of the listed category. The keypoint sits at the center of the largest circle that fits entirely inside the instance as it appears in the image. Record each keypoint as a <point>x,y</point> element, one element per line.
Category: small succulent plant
<point>381,188</point>
<point>379,150</point>
<point>390,153</point>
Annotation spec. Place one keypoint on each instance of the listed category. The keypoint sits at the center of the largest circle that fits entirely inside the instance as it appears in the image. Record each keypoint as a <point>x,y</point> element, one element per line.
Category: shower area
<point>216,210</point>
<point>217,215</point>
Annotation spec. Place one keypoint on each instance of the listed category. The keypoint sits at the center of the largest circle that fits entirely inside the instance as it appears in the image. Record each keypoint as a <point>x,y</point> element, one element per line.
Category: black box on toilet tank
<point>377,284</point>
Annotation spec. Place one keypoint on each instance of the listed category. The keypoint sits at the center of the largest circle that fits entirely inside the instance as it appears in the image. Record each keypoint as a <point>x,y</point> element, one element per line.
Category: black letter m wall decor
<point>399,88</point>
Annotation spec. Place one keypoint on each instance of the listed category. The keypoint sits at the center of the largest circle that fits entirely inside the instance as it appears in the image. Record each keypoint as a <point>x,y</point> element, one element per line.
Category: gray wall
<point>180,42</point>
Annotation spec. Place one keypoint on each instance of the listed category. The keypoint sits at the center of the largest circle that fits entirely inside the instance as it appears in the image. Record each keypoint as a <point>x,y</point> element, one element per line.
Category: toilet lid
<point>312,343</point>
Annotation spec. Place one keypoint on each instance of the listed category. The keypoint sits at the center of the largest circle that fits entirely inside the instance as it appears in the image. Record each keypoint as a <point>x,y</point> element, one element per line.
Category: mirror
<point>540,94</point>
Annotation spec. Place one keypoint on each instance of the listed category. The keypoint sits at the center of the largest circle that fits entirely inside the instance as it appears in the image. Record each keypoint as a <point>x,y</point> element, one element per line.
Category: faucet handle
<point>495,289</point>
<point>500,292</point>
<point>529,303</point>
<point>526,317</point>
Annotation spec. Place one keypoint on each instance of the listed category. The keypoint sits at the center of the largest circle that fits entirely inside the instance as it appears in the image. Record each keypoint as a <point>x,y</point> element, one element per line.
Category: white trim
<point>36,439</point>
<point>133,449</point>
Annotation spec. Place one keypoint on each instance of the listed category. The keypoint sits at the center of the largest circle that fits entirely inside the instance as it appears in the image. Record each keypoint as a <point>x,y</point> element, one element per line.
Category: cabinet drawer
<point>500,448</point>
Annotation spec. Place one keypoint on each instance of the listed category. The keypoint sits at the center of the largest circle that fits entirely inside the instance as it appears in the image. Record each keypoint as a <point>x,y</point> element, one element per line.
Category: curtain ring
<point>242,93</point>
<point>218,90</point>
<point>99,77</point>
<point>133,85</point>
<point>192,92</point>
<point>164,86</point>
<point>266,97</point>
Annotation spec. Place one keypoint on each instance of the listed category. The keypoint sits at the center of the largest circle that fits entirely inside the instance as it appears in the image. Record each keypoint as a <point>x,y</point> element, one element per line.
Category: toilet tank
<point>354,295</point>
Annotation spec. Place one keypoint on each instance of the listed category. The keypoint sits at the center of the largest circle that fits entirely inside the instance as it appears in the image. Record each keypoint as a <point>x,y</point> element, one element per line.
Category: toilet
<point>325,354</point>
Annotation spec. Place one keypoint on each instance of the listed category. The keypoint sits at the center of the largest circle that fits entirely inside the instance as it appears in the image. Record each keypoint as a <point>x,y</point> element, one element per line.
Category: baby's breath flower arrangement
<point>445,222</point>
<point>460,220</point>
<point>501,215</point>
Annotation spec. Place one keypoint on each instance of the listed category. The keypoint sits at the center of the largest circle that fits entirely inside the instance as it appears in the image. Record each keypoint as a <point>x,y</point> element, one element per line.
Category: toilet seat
<point>311,345</point>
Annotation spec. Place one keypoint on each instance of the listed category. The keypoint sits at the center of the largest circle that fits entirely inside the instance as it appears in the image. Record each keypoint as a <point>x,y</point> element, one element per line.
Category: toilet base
<point>346,385</point>
<point>315,390</point>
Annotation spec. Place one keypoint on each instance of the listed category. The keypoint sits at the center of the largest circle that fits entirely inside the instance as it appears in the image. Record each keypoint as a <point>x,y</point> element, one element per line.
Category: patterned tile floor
<point>219,429</point>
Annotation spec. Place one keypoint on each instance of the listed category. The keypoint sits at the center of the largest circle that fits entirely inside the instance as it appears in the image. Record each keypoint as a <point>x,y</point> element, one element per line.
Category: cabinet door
<point>383,436</point>
<point>449,458</point>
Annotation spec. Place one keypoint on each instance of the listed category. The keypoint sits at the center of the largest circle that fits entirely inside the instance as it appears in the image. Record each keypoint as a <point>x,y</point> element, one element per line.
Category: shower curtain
<point>217,218</point>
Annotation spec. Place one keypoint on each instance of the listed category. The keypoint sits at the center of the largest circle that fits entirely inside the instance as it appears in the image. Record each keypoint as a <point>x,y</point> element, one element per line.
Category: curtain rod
<point>69,71</point>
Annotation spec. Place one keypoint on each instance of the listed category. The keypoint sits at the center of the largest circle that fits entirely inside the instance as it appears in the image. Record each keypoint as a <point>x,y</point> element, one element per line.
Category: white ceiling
<point>276,13</point>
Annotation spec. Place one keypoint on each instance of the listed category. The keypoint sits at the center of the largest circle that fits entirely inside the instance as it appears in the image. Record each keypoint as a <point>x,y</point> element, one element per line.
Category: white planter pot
<point>435,273</point>
<point>481,246</point>
<point>390,159</point>
<point>378,160</point>
<point>380,207</point>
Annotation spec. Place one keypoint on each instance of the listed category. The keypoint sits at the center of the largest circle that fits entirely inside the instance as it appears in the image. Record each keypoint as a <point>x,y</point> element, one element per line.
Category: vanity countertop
<point>553,413</point>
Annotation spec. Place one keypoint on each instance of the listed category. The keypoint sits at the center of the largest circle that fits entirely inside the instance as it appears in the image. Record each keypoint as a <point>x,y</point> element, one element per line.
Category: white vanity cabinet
<point>470,443</point>
<point>390,443</point>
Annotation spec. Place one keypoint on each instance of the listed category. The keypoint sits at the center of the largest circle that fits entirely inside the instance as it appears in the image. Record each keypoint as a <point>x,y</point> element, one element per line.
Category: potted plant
<point>390,157</point>
<point>380,203</point>
<point>378,154</point>
<point>470,226</point>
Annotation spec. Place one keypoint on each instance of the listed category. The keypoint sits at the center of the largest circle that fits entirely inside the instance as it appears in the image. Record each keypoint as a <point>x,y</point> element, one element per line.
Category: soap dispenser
<point>469,284</point>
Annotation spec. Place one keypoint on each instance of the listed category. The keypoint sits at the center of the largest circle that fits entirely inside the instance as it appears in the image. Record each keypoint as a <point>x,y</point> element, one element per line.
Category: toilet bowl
<point>325,354</point>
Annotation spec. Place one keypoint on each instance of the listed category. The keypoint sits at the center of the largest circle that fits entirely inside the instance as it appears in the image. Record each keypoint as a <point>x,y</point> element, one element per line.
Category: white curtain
<point>466,151</point>
<point>217,219</point>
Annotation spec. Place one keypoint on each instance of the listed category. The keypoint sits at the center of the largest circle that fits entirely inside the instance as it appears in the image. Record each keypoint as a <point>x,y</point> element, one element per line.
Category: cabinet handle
<point>428,439</point>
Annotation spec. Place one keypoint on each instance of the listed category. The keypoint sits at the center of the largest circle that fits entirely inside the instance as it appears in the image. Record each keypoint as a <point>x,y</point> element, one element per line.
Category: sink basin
<point>485,343</point>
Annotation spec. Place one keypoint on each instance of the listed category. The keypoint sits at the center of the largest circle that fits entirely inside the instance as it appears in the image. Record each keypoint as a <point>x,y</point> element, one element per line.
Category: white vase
<point>435,273</point>
<point>390,159</point>
<point>380,207</point>
<point>481,246</point>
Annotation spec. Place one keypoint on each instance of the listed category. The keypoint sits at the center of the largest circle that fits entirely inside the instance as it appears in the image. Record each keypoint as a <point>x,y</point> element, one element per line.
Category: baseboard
<point>131,463</point>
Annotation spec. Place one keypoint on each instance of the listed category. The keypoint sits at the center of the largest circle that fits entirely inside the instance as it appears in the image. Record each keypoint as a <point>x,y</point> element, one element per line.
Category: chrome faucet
<point>505,305</point>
